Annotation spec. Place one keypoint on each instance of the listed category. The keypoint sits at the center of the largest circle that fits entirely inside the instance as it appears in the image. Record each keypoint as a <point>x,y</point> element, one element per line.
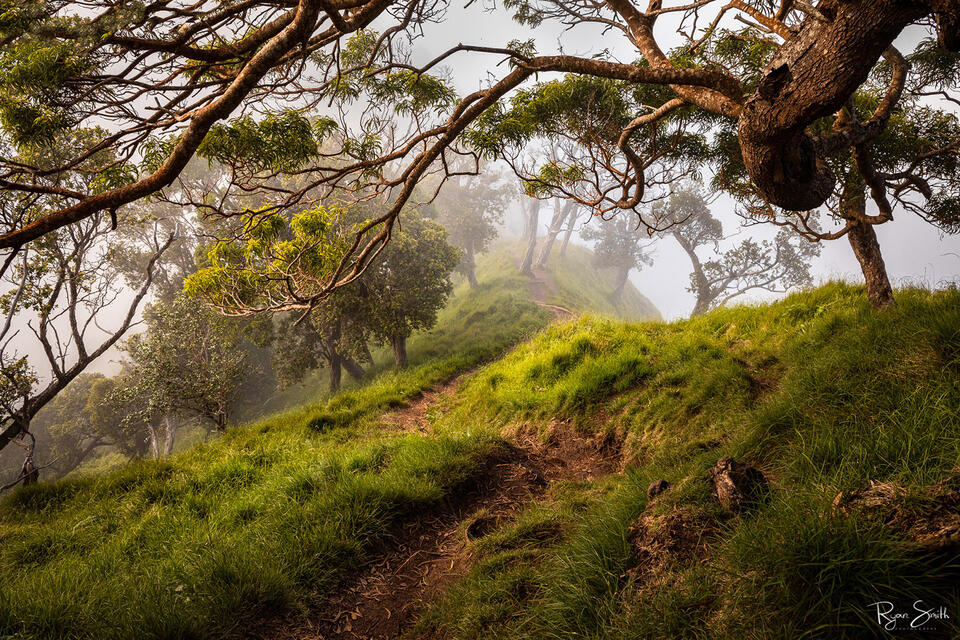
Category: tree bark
<point>170,434</point>
<point>571,223</point>
<point>353,367</point>
<point>335,371</point>
<point>702,286</point>
<point>622,277</point>
<point>701,306</point>
<point>533,221</point>
<point>399,344</point>
<point>154,441</point>
<point>470,265</point>
<point>29,471</point>
<point>560,214</point>
<point>863,240</point>
<point>812,76</point>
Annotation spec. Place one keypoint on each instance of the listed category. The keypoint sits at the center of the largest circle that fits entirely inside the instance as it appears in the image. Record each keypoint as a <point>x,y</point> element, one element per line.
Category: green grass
<point>266,519</point>
<point>583,287</point>
<point>819,391</point>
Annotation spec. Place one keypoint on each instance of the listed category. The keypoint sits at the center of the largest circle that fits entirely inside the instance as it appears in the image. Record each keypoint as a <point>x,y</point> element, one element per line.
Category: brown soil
<point>415,416</point>
<point>540,284</point>
<point>429,551</point>
<point>929,519</point>
<point>659,540</point>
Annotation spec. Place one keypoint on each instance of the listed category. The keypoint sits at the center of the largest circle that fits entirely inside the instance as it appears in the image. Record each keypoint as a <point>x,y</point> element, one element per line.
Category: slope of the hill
<point>576,282</point>
<point>583,287</point>
<point>265,530</point>
<point>843,423</point>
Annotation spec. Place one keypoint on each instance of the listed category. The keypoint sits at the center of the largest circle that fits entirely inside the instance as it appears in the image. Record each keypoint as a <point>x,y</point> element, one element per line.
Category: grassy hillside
<point>578,283</point>
<point>267,518</point>
<point>819,392</point>
<point>584,287</point>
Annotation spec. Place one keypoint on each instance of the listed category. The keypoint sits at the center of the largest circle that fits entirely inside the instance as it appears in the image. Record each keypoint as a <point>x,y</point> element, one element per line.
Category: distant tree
<point>304,345</point>
<point>777,265</point>
<point>278,265</point>
<point>140,419</point>
<point>561,213</point>
<point>71,435</point>
<point>66,299</point>
<point>470,209</point>
<point>531,215</point>
<point>619,245</point>
<point>116,417</point>
<point>409,284</point>
<point>189,360</point>
<point>571,225</point>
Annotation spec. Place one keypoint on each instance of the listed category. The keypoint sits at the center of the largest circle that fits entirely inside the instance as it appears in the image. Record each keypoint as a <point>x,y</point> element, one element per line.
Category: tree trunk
<point>154,441</point>
<point>571,224</point>
<point>556,225</point>
<point>533,221</point>
<point>701,286</point>
<point>335,371</point>
<point>863,240</point>
<point>622,278</point>
<point>811,76</point>
<point>353,367</point>
<point>169,435</point>
<point>399,344</point>
<point>470,265</point>
<point>701,307</point>
<point>29,471</point>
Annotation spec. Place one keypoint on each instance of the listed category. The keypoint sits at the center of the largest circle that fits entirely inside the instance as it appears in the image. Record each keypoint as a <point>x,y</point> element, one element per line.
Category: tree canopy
<point>785,90</point>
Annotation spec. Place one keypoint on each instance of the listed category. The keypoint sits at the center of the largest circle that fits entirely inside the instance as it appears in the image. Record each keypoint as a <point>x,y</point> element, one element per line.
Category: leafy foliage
<point>188,360</point>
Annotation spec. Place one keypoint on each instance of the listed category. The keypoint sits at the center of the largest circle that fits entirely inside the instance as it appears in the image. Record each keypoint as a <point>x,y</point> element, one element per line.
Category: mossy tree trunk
<point>399,344</point>
<point>470,265</point>
<point>533,221</point>
<point>863,240</point>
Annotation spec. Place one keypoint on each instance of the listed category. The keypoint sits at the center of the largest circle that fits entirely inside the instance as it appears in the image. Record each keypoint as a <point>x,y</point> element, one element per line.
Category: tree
<point>188,361</point>
<point>304,346</point>
<point>410,283</point>
<point>74,65</point>
<point>70,434</point>
<point>911,164</point>
<point>619,245</point>
<point>561,214</point>
<point>65,301</point>
<point>470,210</point>
<point>776,266</point>
<point>531,214</point>
<point>115,416</point>
<point>571,226</point>
<point>283,260</point>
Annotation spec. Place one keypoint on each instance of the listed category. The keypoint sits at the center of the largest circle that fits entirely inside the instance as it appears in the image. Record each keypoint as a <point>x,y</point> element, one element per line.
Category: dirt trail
<point>426,554</point>
<point>415,417</point>
<point>540,283</point>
